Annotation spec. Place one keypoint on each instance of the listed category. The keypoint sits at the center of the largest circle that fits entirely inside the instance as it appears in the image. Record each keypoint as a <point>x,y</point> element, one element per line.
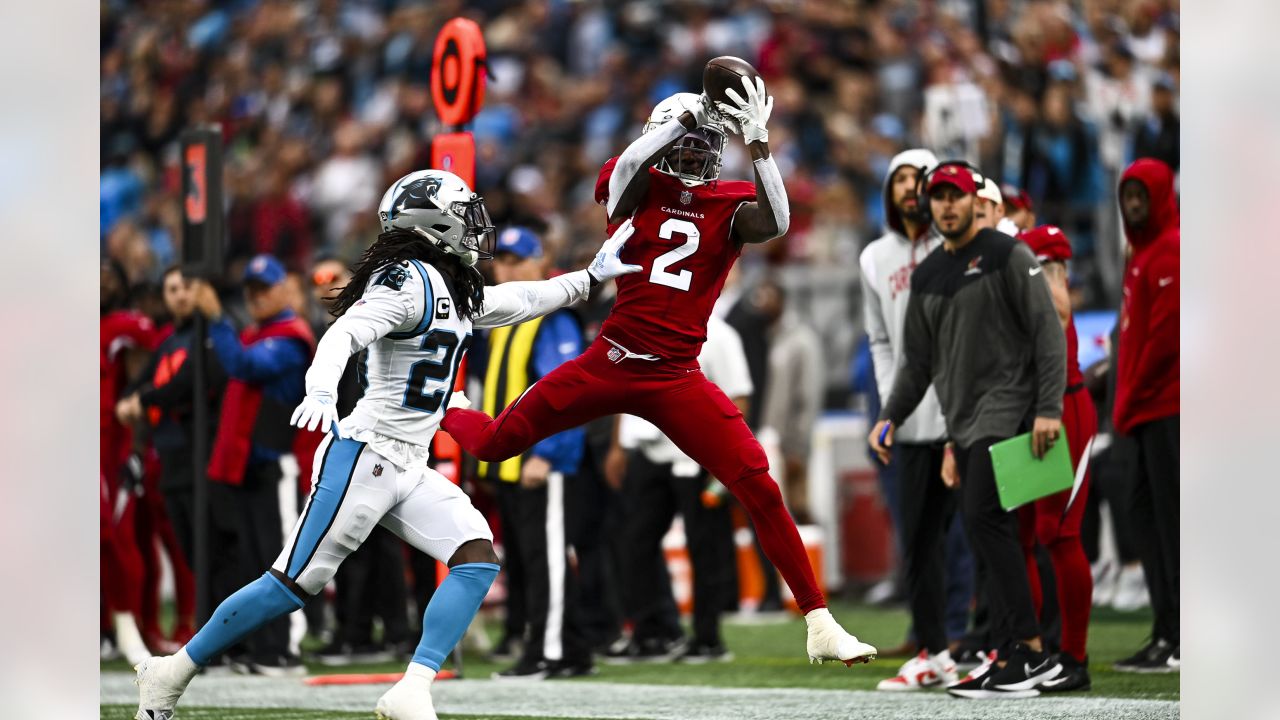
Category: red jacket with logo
<point>1147,362</point>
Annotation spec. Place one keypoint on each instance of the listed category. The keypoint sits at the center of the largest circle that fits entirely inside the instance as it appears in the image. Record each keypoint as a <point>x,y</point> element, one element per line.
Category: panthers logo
<point>420,193</point>
<point>394,277</point>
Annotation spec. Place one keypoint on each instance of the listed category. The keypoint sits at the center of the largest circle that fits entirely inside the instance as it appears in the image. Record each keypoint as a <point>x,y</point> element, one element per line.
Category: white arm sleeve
<point>381,311</point>
<point>877,329</point>
<point>515,302</point>
<point>771,181</point>
<point>633,159</point>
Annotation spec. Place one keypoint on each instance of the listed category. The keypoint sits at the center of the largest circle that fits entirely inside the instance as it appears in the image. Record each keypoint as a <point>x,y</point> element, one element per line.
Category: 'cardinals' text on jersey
<point>684,242</point>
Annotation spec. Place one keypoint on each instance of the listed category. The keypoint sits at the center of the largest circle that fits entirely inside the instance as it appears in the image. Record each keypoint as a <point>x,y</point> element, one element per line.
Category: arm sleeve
<point>1032,300</point>
<point>634,159</point>
<point>382,310</point>
<point>877,328</point>
<point>258,362</point>
<point>558,342</point>
<point>1159,355</point>
<point>514,302</point>
<point>912,379</point>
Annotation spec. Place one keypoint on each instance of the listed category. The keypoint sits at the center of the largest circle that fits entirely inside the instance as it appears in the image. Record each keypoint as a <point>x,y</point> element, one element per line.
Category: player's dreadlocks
<point>398,245</point>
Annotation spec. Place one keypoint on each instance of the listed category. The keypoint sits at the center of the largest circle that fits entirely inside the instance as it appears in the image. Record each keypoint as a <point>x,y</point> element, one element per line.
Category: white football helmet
<point>439,206</point>
<point>695,158</point>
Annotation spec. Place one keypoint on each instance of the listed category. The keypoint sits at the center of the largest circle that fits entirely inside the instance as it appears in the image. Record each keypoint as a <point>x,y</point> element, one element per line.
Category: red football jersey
<point>118,330</point>
<point>684,242</point>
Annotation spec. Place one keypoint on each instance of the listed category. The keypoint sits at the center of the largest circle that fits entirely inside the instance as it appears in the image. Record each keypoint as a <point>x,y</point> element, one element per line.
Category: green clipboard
<point>1022,478</point>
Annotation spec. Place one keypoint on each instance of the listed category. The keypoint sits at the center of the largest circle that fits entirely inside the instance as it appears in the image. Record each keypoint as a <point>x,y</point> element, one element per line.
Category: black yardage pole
<point>202,244</point>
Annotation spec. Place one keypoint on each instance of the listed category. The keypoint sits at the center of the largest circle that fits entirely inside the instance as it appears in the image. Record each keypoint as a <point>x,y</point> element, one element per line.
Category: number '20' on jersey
<point>683,240</point>
<point>408,375</point>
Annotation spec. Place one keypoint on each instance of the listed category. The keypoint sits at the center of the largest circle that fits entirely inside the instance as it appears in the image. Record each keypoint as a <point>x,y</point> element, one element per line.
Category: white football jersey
<point>415,343</point>
<point>408,373</point>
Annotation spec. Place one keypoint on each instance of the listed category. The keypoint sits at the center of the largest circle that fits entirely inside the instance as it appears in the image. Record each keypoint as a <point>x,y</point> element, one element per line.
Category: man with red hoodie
<point>1147,391</point>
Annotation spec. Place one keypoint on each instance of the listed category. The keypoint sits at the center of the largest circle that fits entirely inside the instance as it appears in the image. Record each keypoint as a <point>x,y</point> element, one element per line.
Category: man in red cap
<point>1055,520</point>
<point>1018,207</point>
<point>981,327</point>
<point>1147,394</point>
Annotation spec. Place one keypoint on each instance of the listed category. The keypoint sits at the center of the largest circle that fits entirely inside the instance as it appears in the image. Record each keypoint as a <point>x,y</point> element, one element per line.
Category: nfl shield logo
<point>686,197</point>
<point>615,355</point>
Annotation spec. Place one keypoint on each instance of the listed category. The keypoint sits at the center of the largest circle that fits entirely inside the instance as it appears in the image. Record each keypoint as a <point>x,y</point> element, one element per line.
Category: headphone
<point>979,180</point>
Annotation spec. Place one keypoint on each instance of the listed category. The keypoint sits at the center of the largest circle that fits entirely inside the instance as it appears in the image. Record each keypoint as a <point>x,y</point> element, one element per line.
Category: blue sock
<point>248,609</point>
<point>451,610</point>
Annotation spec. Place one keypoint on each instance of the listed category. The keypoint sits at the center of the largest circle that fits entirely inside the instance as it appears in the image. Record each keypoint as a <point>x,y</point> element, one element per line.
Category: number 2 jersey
<point>684,241</point>
<point>414,340</point>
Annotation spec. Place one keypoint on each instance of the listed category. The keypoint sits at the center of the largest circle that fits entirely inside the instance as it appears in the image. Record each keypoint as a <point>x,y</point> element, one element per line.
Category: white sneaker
<point>1104,583</point>
<point>922,671</point>
<point>458,401</point>
<point>1131,590</point>
<point>828,641</point>
<point>161,681</point>
<point>409,699</point>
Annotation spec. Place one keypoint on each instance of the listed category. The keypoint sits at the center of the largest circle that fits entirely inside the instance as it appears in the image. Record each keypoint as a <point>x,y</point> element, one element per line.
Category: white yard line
<point>645,702</point>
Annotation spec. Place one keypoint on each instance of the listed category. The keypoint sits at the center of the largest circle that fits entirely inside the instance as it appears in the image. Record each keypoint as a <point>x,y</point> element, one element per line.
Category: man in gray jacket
<point>925,504</point>
<point>981,326</point>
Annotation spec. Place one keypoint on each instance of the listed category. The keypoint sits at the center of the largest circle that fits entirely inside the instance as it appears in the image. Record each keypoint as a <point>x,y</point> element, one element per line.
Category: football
<point>723,73</point>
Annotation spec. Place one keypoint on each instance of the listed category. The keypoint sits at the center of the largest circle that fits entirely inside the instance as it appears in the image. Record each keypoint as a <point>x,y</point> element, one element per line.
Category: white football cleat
<point>409,699</point>
<point>923,671</point>
<point>458,401</point>
<point>828,641</point>
<point>161,681</point>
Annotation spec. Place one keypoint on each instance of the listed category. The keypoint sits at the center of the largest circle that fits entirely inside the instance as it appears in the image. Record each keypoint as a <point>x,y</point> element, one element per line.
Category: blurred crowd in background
<point>323,104</point>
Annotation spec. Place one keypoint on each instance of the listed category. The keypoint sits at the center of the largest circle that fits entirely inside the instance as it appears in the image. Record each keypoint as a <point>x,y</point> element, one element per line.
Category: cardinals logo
<point>975,266</point>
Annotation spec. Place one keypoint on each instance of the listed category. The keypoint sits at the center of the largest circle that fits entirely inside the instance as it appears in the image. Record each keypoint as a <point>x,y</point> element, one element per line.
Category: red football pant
<point>677,398</point>
<point>119,560</point>
<point>1057,528</point>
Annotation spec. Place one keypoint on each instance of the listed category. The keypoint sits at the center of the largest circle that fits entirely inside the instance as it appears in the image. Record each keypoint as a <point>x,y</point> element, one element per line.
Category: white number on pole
<point>667,231</point>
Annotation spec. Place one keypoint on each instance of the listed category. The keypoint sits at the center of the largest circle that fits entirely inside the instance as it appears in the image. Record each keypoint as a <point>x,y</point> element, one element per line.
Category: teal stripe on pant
<point>336,468</point>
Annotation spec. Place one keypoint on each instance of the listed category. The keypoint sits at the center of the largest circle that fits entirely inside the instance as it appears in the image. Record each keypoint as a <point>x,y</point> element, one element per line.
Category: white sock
<point>420,672</point>
<point>815,615</point>
<point>185,663</point>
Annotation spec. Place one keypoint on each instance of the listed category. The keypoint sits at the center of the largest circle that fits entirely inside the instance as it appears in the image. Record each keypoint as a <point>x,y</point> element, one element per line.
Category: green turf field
<point>767,656</point>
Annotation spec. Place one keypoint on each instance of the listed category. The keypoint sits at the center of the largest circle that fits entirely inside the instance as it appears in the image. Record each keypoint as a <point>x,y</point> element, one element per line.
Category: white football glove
<point>702,109</point>
<point>317,410</point>
<point>749,113</point>
<point>607,265</point>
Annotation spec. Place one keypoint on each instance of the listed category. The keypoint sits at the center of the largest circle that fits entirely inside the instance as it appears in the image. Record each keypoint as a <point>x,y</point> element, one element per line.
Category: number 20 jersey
<point>408,374</point>
<point>684,241</point>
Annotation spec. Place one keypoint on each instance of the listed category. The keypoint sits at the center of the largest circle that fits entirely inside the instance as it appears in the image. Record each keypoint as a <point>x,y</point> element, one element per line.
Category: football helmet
<point>695,158</point>
<point>439,206</point>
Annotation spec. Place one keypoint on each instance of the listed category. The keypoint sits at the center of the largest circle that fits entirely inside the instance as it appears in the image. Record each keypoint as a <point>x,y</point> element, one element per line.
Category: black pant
<point>371,582</point>
<point>534,518</point>
<point>652,497</point>
<point>253,509</point>
<point>1155,511</point>
<point>993,535</point>
<point>593,513</point>
<point>926,509</point>
<point>224,561</point>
